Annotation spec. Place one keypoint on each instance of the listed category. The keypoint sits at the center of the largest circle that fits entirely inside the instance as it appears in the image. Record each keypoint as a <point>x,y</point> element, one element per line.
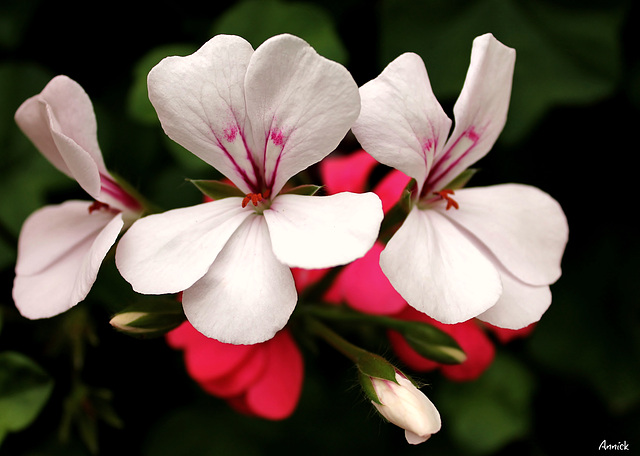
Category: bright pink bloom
<point>263,379</point>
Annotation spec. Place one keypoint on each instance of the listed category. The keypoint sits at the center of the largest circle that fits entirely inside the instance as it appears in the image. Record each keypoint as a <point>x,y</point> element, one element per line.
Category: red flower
<point>263,379</point>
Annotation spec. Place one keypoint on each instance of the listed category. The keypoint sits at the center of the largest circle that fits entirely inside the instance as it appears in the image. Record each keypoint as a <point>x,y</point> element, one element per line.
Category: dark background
<point>571,131</point>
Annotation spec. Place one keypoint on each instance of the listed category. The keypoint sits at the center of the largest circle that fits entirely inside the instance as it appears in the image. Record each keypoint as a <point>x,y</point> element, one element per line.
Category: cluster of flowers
<point>460,260</point>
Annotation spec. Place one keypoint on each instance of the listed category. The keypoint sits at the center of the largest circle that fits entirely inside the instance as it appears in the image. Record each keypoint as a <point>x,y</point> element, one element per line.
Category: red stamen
<point>97,205</point>
<point>255,198</point>
<point>444,194</point>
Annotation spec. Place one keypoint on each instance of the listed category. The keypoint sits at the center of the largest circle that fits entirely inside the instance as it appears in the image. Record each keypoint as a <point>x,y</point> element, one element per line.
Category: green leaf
<point>306,190</point>
<point>258,20</point>
<point>24,390</point>
<point>565,55</point>
<point>485,415</point>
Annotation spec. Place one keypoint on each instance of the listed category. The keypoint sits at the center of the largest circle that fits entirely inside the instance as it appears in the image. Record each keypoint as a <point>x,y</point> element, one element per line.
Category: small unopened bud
<point>149,319</point>
<point>404,405</point>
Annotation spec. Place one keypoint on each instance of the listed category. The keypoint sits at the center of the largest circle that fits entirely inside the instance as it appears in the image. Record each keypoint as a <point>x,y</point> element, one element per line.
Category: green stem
<point>345,347</point>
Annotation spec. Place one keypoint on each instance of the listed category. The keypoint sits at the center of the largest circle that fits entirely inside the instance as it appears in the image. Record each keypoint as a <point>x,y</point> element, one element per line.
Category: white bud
<point>407,407</point>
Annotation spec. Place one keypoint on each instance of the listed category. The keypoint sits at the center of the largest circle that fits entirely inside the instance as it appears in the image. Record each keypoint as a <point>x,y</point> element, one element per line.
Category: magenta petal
<point>276,395</point>
<point>390,188</point>
<point>365,288</point>
<point>207,359</point>
<point>240,379</point>
<point>347,173</point>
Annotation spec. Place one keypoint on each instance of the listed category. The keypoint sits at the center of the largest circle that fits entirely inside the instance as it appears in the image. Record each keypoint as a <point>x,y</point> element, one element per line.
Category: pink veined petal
<point>365,288</point>
<point>61,123</point>
<point>322,231</point>
<point>200,101</point>
<point>347,173</point>
<point>169,252</point>
<point>401,123</point>
<point>247,295</point>
<point>438,270</point>
<point>301,106</point>
<point>275,396</point>
<point>522,226</point>
<point>519,305</point>
<point>480,112</point>
<point>60,251</point>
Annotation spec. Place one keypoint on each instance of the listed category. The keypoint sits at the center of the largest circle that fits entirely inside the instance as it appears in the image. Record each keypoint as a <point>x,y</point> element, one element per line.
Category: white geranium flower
<point>486,252</point>
<point>61,247</point>
<point>259,117</point>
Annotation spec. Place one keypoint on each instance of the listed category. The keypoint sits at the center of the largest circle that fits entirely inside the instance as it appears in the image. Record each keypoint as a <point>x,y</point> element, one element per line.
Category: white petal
<point>439,270</point>
<point>322,231</point>
<point>523,227</point>
<point>169,252</point>
<point>481,110</point>
<point>61,123</point>
<point>519,306</point>
<point>60,251</point>
<point>401,123</point>
<point>201,104</point>
<point>301,105</point>
<point>247,295</point>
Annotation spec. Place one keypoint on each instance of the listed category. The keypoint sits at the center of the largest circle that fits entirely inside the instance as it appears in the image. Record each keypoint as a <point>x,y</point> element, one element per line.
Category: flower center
<point>255,198</point>
<point>446,195</point>
<point>98,206</point>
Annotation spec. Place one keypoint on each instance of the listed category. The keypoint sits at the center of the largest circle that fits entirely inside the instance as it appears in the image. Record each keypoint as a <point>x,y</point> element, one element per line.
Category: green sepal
<point>373,365</point>
<point>151,318</point>
<point>216,190</point>
<point>426,339</point>
<point>432,343</point>
<point>367,388</point>
<point>462,179</point>
<point>305,190</point>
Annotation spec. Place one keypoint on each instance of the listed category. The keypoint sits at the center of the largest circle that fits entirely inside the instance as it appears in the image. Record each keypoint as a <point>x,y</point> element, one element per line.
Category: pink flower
<point>61,247</point>
<point>263,379</point>
<point>259,117</point>
<point>489,252</point>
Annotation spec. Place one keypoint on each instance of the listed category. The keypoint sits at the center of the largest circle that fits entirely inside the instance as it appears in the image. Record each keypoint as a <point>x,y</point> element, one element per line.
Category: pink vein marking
<point>471,134</point>
<point>110,187</point>
<point>230,134</point>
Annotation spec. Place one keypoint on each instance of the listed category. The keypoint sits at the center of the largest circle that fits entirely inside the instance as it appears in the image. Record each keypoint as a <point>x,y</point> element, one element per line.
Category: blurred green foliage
<point>574,383</point>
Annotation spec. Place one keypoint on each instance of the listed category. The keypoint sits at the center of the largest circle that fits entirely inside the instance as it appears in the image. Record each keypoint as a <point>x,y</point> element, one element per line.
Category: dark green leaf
<point>24,390</point>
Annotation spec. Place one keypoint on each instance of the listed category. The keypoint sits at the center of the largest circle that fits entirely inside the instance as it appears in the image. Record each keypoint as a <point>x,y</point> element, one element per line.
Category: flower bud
<point>404,405</point>
<point>149,319</point>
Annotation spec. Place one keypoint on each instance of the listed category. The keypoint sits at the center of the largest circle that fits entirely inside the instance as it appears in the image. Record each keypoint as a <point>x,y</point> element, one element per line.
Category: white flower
<point>487,252</point>
<point>407,407</point>
<point>259,118</point>
<point>61,247</point>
